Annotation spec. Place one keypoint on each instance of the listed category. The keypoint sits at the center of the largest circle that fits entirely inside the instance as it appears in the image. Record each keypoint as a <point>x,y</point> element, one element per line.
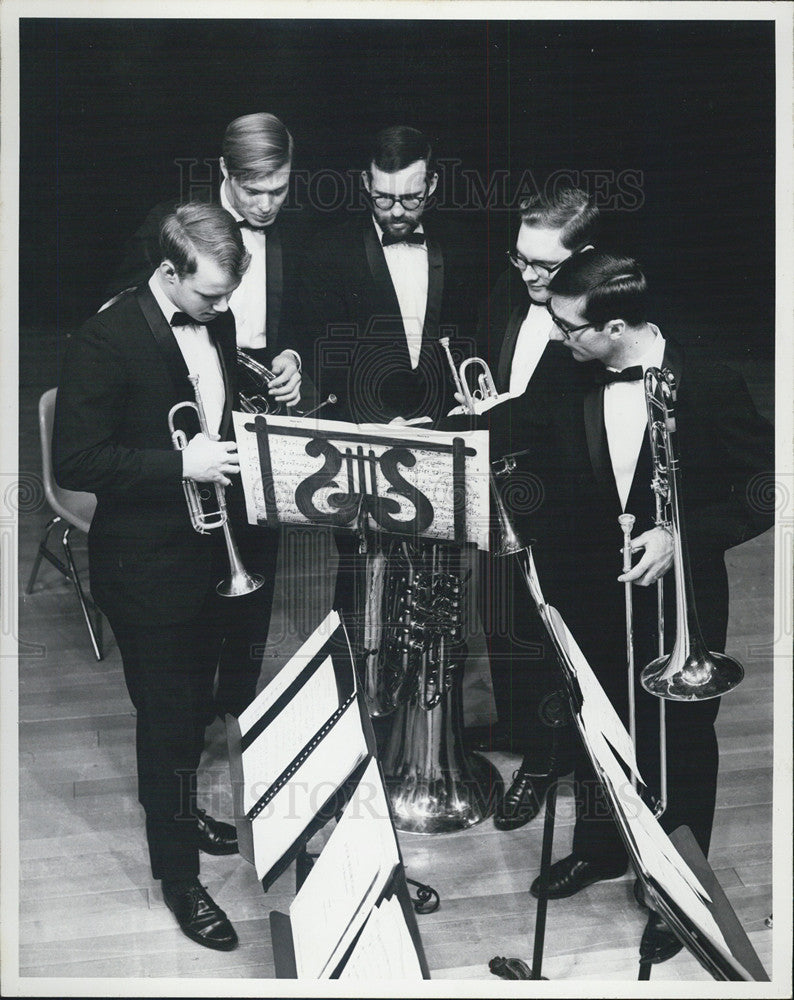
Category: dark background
<point>110,107</point>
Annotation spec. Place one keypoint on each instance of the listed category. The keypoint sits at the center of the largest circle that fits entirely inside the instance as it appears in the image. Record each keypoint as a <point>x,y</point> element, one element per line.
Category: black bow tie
<point>603,376</point>
<point>182,319</point>
<point>244,224</point>
<point>416,238</point>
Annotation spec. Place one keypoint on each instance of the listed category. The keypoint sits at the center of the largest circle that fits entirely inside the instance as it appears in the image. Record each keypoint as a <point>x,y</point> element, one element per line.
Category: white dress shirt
<point>248,302</point>
<point>626,421</point>
<point>407,264</point>
<point>530,345</point>
<point>201,357</point>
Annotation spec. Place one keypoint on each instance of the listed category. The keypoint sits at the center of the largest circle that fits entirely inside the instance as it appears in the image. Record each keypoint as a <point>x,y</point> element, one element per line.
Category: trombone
<point>485,382</point>
<point>691,672</point>
<point>239,581</point>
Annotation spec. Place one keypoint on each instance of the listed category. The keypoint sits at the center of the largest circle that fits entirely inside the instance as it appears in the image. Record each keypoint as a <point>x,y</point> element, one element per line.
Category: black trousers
<point>524,667</point>
<point>692,751</point>
<point>169,671</point>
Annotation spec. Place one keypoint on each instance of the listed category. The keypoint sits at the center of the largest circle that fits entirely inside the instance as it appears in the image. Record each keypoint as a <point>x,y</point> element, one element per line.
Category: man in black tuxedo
<point>152,574</point>
<point>380,289</point>
<point>256,164</point>
<point>513,337</point>
<point>592,455</point>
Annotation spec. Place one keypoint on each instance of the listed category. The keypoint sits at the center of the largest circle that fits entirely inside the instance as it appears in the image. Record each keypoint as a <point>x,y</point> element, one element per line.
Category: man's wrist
<point>294,355</point>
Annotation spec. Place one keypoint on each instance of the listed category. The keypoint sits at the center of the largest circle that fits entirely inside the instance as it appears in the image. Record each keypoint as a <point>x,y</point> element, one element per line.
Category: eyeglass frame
<point>401,198</point>
<point>565,328</point>
<point>520,262</point>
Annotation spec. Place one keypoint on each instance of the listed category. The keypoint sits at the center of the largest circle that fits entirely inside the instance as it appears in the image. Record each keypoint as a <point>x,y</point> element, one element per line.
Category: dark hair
<point>398,146</point>
<point>256,144</point>
<point>563,207</point>
<point>202,229</point>
<point>613,287</point>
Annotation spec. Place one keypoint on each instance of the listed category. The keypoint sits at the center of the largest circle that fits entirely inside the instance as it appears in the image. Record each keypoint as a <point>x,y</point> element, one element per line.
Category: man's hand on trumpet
<point>285,388</point>
<point>208,460</point>
<point>656,559</point>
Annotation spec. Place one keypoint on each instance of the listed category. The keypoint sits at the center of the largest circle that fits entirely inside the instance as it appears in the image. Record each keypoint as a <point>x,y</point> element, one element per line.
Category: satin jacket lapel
<point>166,341</point>
<point>223,335</point>
<point>380,271</point>
<point>505,364</point>
<point>673,359</point>
<point>597,446</point>
<point>435,290</point>
<point>274,281</point>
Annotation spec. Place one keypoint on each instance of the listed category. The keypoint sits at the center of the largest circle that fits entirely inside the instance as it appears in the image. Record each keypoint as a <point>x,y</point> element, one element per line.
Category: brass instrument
<point>691,672</point>
<point>413,667</point>
<point>485,382</point>
<point>253,379</point>
<point>239,581</point>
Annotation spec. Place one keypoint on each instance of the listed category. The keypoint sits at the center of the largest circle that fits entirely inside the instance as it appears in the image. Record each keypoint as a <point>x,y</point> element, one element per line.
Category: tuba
<point>239,581</point>
<point>413,670</point>
<point>691,672</point>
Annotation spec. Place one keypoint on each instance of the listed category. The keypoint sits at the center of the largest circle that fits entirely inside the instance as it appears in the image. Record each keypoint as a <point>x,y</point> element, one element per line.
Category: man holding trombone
<point>154,564</point>
<point>591,451</point>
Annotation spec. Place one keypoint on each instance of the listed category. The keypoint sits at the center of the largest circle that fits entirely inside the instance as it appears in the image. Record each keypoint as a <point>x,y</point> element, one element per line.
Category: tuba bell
<point>413,670</point>
<point>691,672</point>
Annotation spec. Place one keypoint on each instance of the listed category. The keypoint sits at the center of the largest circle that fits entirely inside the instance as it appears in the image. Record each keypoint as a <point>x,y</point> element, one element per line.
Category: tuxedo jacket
<point>498,326</point>
<point>726,452</point>
<point>284,242</point>
<point>353,339</point>
<point>122,374</point>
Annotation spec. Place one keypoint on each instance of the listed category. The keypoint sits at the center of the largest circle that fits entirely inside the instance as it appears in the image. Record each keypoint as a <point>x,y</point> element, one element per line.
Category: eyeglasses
<point>565,328</point>
<point>541,267</point>
<point>409,202</point>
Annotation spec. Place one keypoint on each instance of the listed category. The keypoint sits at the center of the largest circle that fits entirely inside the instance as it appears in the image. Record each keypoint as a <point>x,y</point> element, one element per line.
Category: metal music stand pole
<point>554,714</point>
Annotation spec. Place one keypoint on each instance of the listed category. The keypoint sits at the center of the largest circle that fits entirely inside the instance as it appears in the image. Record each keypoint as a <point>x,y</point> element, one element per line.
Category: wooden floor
<point>89,907</point>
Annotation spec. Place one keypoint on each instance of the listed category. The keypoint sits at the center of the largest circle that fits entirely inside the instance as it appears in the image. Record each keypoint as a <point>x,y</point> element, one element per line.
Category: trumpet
<point>239,581</point>
<point>691,672</point>
<point>253,379</point>
<point>486,387</point>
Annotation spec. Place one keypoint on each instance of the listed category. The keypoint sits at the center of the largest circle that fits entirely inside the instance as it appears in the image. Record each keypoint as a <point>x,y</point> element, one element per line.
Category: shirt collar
<point>167,307</point>
<point>225,203</point>
<point>653,357</point>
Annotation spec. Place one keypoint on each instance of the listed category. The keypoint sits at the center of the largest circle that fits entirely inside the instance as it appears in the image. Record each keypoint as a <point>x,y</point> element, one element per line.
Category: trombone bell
<point>700,675</point>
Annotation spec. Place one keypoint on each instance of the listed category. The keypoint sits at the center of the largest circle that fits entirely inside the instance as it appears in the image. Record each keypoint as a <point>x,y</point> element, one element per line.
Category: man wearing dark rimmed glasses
<point>514,335</point>
<point>380,289</point>
<point>513,329</point>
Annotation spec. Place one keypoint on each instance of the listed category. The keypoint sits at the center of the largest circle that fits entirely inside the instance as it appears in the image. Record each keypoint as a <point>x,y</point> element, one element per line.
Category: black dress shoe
<point>522,800</point>
<point>199,916</point>
<point>214,836</point>
<point>658,942</point>
<point>571,875</point>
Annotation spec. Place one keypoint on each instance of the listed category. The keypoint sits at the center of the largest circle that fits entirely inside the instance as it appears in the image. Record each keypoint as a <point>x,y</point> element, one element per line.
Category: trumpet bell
<point>697,677</point>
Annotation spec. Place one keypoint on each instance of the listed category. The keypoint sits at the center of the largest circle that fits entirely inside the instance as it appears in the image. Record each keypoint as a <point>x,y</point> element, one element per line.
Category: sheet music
<point>279,684</point>
<point>291,810</point>
<point>353,869</point>
<point>385,949</point>
<point>280,743</point>
<point>598,712</point>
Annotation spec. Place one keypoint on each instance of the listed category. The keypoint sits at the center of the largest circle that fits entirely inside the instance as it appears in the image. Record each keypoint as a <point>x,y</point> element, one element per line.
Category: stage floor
<point>89,908</point>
